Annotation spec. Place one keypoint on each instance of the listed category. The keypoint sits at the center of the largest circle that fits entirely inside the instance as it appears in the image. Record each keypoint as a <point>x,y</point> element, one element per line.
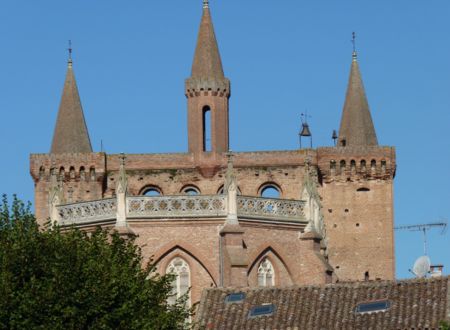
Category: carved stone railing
<point>176,206</point>
<point>146,207</point>
<point>76,213</point>
<point>270,208</point>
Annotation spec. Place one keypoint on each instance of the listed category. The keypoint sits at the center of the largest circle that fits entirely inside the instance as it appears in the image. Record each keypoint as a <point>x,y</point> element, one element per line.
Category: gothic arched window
<point>266,275</point>
<point>182,282</point>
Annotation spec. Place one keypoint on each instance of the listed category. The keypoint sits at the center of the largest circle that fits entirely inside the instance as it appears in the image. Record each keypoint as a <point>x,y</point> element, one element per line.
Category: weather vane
<point>305,117</point>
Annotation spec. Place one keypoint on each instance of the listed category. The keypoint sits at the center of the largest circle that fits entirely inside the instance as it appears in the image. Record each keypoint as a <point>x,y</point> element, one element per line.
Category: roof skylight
<point>373,306</point>
<point>262,310</point>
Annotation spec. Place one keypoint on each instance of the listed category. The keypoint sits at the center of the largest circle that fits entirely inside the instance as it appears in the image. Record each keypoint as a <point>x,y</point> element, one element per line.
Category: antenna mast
<point>424,228</point>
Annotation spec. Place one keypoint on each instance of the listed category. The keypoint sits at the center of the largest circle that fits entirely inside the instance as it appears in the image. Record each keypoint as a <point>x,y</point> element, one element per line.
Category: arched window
<point>363,165</point>
<point>270,191</point>
<point>42,172</point>
<point>190,190</point>
<point>383,166</point>
<point>206,113</point>
<point>82,173</point>
<point>332,165</point>
<point>62,173</point>
<point>72,172</point>
<point>151,191</point>
<point>353,166</point>
<point>373,165</point>
<point>92,173</point>
<point>182,282</point>
<point>266,275</point>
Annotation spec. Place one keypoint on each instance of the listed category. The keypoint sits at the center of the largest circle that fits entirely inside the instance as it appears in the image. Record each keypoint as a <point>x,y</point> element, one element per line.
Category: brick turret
<point>207,91</point>
<point>80,173</point>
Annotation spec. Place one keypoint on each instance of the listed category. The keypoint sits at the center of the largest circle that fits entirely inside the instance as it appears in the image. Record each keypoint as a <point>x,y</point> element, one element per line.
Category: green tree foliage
<point>75,280</point>
<point>444,325</point>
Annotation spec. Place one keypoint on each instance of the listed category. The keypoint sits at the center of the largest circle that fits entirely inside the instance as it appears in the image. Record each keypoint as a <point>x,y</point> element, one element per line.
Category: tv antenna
<point>422,266</point>
<point>424,228</point>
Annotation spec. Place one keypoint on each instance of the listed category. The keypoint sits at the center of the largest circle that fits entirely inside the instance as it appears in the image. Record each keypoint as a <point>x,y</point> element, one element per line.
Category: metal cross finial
<point>70,50</point>
<point>205,3</point>
<point>354,46</point>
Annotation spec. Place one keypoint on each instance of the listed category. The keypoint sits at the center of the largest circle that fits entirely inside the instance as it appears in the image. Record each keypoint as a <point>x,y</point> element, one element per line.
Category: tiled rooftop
<point>405,304</point>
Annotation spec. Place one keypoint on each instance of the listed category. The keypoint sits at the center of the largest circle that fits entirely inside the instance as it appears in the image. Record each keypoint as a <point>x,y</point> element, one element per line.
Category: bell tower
<point>207,91</point>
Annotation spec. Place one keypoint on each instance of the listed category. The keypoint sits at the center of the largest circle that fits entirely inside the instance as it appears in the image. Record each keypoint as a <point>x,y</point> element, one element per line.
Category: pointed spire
<point>71,134</point>
<point>207,62</point>
<point>357,127</point>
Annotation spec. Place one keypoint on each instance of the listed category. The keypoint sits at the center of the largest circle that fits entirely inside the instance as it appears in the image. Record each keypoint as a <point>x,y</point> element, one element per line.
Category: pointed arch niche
<point>183,262</point>
<point>269,269</point>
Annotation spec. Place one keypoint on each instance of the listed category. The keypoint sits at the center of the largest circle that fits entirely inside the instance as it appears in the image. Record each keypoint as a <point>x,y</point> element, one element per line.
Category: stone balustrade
<point>270,208</point>
<point>176,206</point>
<point>186,207</point>
<point>85,212</point>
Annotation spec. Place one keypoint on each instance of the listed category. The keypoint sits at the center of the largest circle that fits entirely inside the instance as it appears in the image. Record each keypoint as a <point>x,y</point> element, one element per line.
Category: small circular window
<point>270,191</point>
<point>190,190</point>
<point>152,191</point>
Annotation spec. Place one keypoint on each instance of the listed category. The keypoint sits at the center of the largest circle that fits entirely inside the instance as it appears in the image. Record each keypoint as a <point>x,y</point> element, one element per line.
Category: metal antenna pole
<point>424,241</point>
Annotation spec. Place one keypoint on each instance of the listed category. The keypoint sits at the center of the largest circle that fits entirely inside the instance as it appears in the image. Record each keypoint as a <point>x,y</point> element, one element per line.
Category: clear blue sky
<point>131,59</point>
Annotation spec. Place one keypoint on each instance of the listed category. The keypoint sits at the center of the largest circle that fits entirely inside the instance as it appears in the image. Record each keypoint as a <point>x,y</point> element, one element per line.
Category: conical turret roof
<point>357,127</point>
<point>207,62</point>
<point>71,134</point>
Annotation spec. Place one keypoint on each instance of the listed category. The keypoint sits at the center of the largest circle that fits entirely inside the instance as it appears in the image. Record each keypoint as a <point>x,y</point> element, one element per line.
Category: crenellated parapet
<point>80,176</point>
<point>207,87</point>
<point>68,166</point>
<point>356,163</point>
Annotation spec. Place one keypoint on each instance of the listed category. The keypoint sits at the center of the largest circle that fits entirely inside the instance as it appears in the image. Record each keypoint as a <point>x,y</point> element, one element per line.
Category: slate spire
<point>207,62</point>
<point>71,134</point>
<point>357,127</point>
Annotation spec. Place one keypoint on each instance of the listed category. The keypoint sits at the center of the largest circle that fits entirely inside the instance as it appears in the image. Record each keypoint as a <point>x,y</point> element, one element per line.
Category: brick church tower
<point>207,215</point>
<point>357,189</point>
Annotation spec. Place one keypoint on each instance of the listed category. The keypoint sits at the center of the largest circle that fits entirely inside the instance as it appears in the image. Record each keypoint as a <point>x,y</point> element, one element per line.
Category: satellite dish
<point>422,266</point>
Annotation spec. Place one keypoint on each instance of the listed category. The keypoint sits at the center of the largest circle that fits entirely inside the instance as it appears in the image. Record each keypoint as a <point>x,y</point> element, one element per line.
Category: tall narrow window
<point>266,276</point>
<point>181,283</point>
<point>206,128</point>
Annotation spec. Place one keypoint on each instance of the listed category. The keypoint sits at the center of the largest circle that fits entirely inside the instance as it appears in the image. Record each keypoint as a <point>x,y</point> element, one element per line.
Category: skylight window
<point>373,306</point>
<point>262,310</point>
<point>234,298</point>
